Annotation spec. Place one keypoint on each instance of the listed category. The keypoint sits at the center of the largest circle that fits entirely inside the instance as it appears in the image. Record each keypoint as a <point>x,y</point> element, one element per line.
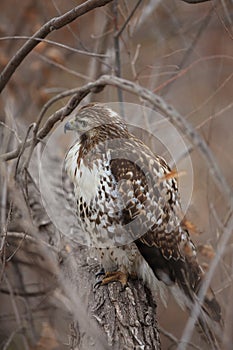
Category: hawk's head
<point>93,115</point>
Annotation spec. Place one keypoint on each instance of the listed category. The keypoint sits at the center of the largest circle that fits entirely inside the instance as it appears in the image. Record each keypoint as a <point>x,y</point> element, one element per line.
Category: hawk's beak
<point>68,126</point>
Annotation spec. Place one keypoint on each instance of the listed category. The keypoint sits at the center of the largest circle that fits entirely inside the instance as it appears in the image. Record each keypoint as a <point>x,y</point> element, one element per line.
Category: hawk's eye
<point>83,123</point>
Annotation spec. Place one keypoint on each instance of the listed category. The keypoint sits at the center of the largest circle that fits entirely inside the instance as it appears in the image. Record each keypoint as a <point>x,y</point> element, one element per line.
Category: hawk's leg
<point>116,276</point>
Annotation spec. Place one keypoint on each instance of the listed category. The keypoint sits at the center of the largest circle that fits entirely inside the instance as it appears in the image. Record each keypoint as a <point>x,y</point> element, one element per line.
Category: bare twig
<point>211,97</point>
<point>11,130</point>
<point>182,124</point>
<point>16,311</point>
<point>6,346</point>
<point>186,69</point>
<point>26,294</point>
<point>117,48</point>
<point>3,242</point>
<point>62,67</point>
<point>195,1</point>
<point>226,11</point>
<point>17,248</point>
<point>3,170</point>
<point>223,23</point>
<point>195,40</point>
<point>97,65</point>
<point>54,43</point>
<point>53,24</point>
<point>120,31</point>
<point>133,62</point>
<point>174,340</point>
<point>52,120</point>
<point>31,239</point>
<point>227,334</point>
<point>23,146</point>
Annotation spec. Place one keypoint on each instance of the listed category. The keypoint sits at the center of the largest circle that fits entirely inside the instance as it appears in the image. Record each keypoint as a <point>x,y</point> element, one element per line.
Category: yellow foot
<point>114,277</point>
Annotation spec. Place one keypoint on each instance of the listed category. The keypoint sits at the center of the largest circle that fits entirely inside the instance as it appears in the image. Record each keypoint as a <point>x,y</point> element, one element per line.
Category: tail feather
<point>190,279</point>
<point>208,331</point>
<point>187,274</point>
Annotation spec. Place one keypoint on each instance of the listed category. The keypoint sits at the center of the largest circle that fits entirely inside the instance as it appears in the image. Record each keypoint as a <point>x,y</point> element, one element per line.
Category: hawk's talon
<point>97,284</point>
<point>116,276</point>
<point>101,272</point>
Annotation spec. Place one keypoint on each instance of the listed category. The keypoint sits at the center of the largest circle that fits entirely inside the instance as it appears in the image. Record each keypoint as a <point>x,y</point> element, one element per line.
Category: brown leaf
<point>173,174</point>
<point>188,225</point>
<point>40,48</point>
<point>55,55</point>
<point>207,251</point>
<point>3,59</point>
<point>48,338</point>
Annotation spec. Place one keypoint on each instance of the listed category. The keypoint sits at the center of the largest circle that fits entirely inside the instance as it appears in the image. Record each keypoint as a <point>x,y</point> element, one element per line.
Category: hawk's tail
<point>209,319</point>
<point>189,278</point>
<point>185,277</point>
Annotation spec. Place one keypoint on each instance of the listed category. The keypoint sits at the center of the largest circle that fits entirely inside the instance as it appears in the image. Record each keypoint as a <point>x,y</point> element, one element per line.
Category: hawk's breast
<point>96,195</point>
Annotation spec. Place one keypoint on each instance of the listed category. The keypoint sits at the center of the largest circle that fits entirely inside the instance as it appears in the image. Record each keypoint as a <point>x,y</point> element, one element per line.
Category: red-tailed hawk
<point>128,207</point>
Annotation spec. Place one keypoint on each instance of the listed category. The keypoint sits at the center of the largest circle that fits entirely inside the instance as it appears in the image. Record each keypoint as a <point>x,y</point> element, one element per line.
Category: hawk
<point>128,207</point>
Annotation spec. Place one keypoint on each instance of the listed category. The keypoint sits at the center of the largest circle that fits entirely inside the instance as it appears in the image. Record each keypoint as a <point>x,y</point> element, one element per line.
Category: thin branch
<point>195,40</point>
<point>23,145</point>
<point>97,65</point>
<point>31,239</point>
<point>194,1</point>
<point>54,43</point>
<point>53,24</point>
<point>52,120</point>
<point>3,242</point>
<point>11,337</point>
<point>62,67</point>
<point>11,130</point>
<point>204,23</point>
<point>174,340</point>
<point>120,31</point>
<point>186,69</point>
<point>28,294</point>
<point>17,248</point>
<point>223,23</point>
<point>209,98</point>
<point>182,124</point>
<point>117,48</point>
<point>16,312</point>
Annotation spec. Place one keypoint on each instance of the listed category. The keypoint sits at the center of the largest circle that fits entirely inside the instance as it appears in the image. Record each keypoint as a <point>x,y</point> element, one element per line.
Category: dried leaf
<point>207,251</point>
<point>40,48</point>
<point>3,59</point>
<point>188,225</point>
<point>55,55</point>
<point>173,174</point>
<point>48,338</point>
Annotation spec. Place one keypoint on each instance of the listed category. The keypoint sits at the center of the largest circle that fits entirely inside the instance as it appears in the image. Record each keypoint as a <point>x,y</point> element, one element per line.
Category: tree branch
<point>194,1</point>
<point>178,121</point>
<point>53,24</point>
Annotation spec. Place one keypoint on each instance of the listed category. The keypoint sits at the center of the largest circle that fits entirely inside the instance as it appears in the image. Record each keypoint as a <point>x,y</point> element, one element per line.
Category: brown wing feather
<point>171,255</point>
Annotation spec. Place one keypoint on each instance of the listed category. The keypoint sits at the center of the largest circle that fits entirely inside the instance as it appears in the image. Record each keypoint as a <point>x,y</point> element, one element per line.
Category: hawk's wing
<point>150,195</point>
<point>168,250</point>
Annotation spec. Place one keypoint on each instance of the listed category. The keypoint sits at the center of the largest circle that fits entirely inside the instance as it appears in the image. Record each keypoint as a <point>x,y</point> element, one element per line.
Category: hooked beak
<point>68,126</point>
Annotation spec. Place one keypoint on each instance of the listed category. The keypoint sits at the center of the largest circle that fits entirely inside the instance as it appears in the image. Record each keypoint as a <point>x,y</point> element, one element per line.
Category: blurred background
<point>180,51</point>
